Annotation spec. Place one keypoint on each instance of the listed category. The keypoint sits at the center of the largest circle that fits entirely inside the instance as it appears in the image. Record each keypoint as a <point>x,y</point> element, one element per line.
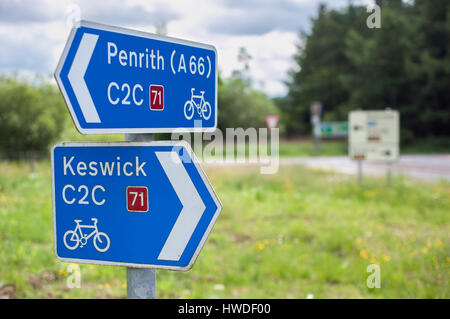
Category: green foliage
<point>285,235</point>
<point>32,115</point>
<point>242,106</point>
<point>404,65</point>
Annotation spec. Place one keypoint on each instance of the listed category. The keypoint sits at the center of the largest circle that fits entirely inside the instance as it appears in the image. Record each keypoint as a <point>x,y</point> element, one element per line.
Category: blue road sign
<point>131,204</point>
<point>117,80</point>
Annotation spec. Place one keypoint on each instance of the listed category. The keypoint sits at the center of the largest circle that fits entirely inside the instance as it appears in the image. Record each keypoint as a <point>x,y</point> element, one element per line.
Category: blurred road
<point>425,167</point>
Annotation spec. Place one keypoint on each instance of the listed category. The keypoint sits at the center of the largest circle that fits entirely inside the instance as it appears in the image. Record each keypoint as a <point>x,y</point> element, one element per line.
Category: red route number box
<point>137,199</point>
<point>156,97</point>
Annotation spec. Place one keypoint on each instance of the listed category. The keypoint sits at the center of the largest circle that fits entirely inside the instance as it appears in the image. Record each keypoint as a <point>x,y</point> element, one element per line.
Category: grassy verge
<point>286,235</point>
<point>307,148</point>
<point>287,148</point>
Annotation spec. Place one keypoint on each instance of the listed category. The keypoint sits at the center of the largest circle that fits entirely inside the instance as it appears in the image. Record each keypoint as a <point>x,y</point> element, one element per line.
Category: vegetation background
<point>404,65</point>
<point>294,234</point>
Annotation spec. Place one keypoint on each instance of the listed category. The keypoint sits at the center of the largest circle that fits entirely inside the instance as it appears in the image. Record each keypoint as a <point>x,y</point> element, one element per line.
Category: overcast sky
<point>33,32</point>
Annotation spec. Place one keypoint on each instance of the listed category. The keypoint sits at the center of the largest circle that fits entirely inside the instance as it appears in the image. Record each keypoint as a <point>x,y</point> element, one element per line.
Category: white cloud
<point>26,11</point>
<point>131,14</point>
<point>258,17</point>
<point>33,33</point>
<point>271,57</point>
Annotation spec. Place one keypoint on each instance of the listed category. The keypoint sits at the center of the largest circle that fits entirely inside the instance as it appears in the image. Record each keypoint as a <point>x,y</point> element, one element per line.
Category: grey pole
<point>388,173</point>
<point>317,135</point>
<point>317,145</point>
<point>360,172</point>
<point>141,283</point>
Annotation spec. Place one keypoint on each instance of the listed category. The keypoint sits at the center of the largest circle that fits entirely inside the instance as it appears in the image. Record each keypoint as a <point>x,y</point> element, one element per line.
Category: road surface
<point>423,167</point>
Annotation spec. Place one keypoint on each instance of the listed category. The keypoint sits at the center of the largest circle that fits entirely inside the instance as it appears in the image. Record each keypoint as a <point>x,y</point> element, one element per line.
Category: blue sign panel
<point>117,80</point>
<point>131,204</point>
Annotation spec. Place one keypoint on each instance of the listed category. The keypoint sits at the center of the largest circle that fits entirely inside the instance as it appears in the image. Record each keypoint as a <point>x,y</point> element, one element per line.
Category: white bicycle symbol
<point>73,238</point>
<point>203,107</point>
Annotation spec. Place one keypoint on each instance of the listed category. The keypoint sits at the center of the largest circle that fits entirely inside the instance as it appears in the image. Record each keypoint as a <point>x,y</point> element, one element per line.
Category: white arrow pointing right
<point>193,206</point>
<point>76,77</point>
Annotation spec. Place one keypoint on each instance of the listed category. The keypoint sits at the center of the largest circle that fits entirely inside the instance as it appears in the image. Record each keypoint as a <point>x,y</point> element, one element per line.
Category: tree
<point>431,69</point>
<point>32,115</point>
<point>242,106</point>
<point>321,61</point>
<point>404,65</point>
<point>380,61</point>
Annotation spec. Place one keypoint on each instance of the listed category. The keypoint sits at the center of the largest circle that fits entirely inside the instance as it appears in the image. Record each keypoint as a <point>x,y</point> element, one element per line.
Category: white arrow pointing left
<point>76,77</point>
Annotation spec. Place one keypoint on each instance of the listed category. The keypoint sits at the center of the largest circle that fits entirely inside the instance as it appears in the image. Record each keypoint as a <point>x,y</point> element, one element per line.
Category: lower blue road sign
<point>131,204</point>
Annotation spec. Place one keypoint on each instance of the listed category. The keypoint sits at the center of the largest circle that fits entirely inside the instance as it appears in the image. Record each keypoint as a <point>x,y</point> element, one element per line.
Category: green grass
<point>339,147</point>
<point>307,148</point>
<point>287,148</point>
<point>286,235</point>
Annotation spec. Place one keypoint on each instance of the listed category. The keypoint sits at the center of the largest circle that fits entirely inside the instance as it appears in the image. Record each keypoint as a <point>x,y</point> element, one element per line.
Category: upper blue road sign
<point>117,80</point>
<point>130,204</point>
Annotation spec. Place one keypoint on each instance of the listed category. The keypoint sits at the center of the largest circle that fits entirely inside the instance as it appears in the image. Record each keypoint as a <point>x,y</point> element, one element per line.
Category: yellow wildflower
<point>260,246</point>
<point>386,258</point>
<point>363,253</point>
<point>63,272</point>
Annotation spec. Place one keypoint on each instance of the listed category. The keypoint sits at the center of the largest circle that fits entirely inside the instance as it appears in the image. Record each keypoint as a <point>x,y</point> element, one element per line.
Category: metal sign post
<point>141,283</point>
<point>316,111</point>
<point>388,173</point>
<point>317,136</point>
<point>360,172</point>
